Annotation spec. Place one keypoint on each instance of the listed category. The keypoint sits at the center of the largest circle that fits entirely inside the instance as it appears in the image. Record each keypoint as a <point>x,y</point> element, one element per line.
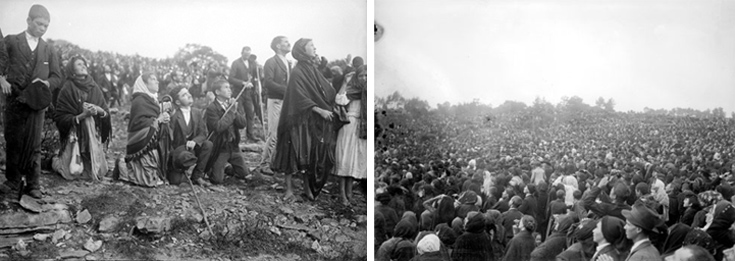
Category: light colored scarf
<point>141,87</point>
<point>430,243</point>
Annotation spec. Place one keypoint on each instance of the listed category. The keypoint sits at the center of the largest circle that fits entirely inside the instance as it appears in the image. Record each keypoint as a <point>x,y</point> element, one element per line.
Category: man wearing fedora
<point>27,79</point>
<point>640,224</point>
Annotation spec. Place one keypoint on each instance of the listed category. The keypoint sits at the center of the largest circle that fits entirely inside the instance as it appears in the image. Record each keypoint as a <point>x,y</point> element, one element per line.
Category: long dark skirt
<point>307,147</point>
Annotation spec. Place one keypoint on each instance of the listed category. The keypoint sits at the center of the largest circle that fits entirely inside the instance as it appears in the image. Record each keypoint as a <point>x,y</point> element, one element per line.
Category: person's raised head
<point>150,80</point>
<point>245,53</point>
<point>181,96</point>
<point>281,45</point>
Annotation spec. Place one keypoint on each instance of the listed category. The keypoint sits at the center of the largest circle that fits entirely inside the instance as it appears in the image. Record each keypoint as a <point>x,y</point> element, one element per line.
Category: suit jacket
<point>3,53</point>
<point>508,221</point>
<point>226,134</point>
<point>610,251</point>
<point>107,86</point>
<point>239,74</point>
<point>276,77</point>
<point>197,128</point>
<point>644,252</point>
<point>21,68</point>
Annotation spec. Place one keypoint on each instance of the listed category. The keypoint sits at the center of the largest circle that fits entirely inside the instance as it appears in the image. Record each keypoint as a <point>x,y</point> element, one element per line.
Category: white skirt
<point>351,153</point>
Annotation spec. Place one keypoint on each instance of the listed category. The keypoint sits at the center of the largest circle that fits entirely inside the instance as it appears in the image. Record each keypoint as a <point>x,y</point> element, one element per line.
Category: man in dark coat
<point>107,82</point>
<point>190,130</point>
<point>510,217</point>
<point>225,133</point>
<point>243,75</point>
<point>30,61</point>
<point>277,71</point>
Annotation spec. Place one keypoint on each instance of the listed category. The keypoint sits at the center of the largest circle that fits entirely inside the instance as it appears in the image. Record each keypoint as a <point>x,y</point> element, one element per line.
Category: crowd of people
<point>604,186</point>
<point>184,121</point>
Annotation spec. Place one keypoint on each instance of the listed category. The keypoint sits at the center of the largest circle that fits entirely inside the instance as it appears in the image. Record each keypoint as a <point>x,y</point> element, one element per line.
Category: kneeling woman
<point>144,164</point>
<point>82,118</point>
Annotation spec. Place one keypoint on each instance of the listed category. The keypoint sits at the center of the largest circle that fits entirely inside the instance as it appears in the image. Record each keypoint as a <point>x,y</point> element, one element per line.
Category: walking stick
<point>260,101</point>
<point>204,214</point>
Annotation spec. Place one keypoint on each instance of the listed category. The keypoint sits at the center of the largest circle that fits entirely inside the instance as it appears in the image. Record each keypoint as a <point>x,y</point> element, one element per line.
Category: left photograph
<point>137,130</point>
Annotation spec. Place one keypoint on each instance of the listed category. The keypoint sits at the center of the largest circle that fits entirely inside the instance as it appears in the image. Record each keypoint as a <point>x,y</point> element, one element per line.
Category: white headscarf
<point>140,86</point>
<point>430,243</point>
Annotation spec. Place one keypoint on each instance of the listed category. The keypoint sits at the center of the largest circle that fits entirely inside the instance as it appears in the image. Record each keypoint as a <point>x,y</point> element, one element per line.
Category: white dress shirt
<point>32,41</point>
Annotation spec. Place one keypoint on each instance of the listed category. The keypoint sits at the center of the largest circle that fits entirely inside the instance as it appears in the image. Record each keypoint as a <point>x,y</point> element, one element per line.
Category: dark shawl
<point>674,241</point>
<point>520,247</point>
<point>474,243</point>
<point>70,103</point>
<point>556,243</point>
<point>446,235</point>
<point>306,141</point>
<point>141,130</point>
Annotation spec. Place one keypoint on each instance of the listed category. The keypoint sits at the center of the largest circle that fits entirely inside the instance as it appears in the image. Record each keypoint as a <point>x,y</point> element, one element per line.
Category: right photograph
<point>554,130</point>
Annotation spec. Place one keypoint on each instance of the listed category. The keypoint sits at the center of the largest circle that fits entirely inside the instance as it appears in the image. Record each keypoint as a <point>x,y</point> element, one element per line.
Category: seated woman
<point>82,118</point>
<point>144,164</point>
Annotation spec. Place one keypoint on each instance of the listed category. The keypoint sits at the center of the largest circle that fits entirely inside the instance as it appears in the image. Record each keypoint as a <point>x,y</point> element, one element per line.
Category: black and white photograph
<point>184,130</point>
<point>554,130</point>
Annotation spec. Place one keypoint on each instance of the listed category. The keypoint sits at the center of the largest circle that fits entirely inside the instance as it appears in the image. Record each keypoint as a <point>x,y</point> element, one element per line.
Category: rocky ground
<point>113,220</point>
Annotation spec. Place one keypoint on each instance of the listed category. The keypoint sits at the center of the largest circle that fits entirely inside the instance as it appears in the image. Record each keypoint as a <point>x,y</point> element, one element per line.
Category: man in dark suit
<point>242,75</point>
<point>510,217</point>
<point>190,130</point>
<point>225,129</point>
<point>106,81</point>
<point>31,62</point>
<point>277,72</point>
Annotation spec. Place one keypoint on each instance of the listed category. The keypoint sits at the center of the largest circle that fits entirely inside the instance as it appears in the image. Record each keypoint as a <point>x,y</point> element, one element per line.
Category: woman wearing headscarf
<point>520,247</point>
<point>675,239</point>
<point>401,246</point>
<point>557,242</point>
<point>446,235</point>
<point>441,208</point>
<point>82,117</point>
<point>429,249</point>
<point>718,226</point>
<point>351,149</point>
<point>610,238</point>
<point>306,133</point>
<point>584,248</point>
<point>474,243</point>
<point>144,165</point>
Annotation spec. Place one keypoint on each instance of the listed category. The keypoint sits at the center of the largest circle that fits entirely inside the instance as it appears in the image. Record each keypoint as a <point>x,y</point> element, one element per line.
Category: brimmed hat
<point>183,158</point>
<point>643,217</point>
<point>36,95</point>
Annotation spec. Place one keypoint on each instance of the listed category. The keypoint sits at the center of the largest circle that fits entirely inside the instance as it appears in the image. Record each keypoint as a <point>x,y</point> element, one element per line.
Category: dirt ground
<point>248,218</point>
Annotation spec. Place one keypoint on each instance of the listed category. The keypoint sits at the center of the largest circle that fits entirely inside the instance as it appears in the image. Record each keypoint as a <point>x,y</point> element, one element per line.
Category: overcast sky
<point>159,28</point>
<point>660,54</point>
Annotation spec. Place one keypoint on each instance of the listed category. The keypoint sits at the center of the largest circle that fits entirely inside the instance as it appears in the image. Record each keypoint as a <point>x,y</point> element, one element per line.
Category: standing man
<point>31,73</point>
<point>277,73</point>
<point>242,72</point>
<point>107,82</point>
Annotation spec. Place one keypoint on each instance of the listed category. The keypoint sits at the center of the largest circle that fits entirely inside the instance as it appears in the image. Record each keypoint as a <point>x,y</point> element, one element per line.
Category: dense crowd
<point>602,186</point>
